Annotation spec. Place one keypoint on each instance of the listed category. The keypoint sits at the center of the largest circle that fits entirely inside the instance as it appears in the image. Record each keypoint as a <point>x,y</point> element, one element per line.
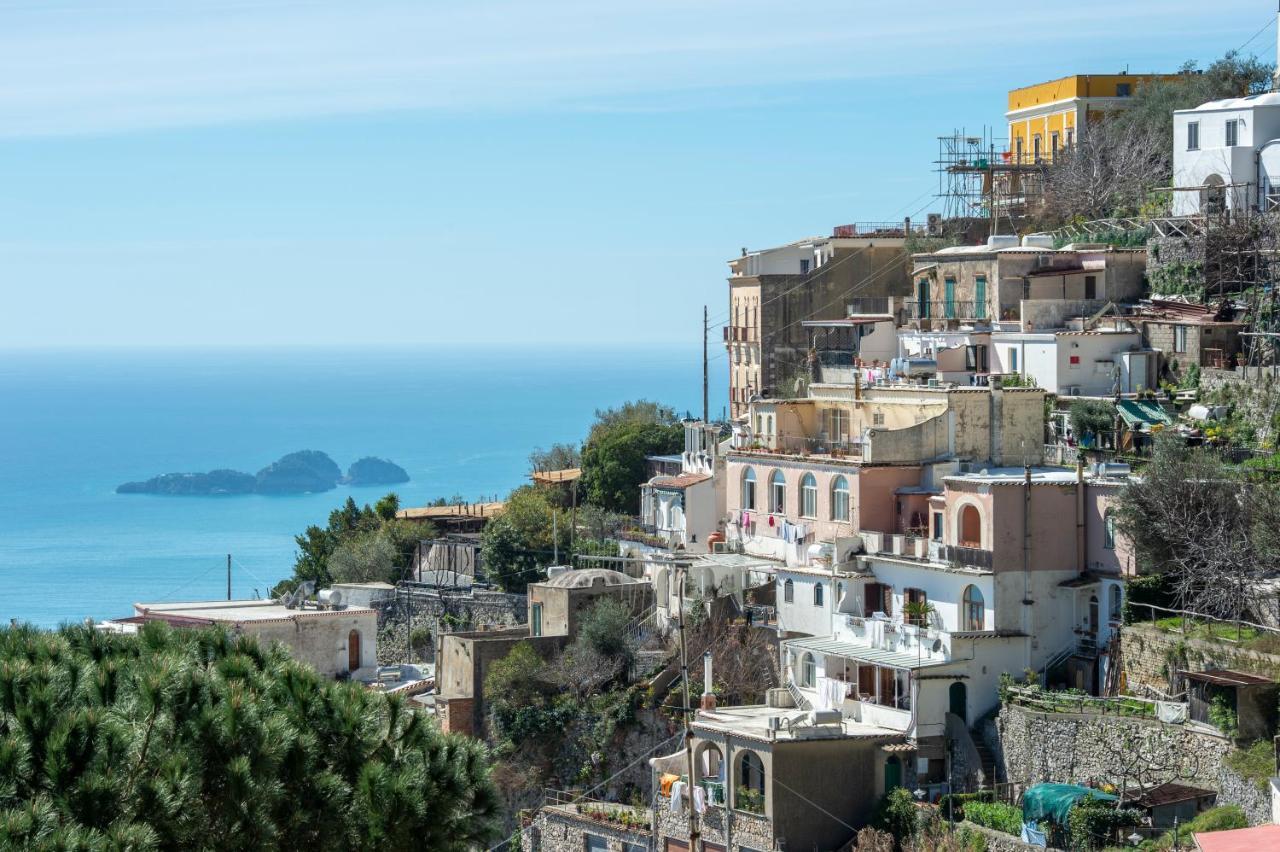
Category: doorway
<point>892,774</point>
<point>959,700</point>
<point>353,650</point>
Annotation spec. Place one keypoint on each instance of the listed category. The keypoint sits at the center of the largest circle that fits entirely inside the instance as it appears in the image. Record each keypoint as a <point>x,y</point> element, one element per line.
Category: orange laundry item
<point>666,781</point>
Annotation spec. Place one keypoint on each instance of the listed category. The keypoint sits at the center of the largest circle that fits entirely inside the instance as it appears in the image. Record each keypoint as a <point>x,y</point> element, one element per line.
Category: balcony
<point>914,309</point>
<point>970,557</point>
<point>739,334</point>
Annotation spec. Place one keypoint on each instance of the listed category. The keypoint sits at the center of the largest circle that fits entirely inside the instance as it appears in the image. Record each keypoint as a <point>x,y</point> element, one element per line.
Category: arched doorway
<point>1213,197</point>
<point>892,773</point>
<point>970,527</point>
<point>353,650</point>
<point>958,697</point>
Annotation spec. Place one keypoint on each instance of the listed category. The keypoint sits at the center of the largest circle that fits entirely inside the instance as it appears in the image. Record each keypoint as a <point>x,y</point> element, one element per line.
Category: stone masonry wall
<point>1033,747</point>
<point>439,613</point>
<point>1150,655</point>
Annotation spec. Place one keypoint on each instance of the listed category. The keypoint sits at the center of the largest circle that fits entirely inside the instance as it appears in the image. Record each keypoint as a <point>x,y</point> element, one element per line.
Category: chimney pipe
<point>708,696</point>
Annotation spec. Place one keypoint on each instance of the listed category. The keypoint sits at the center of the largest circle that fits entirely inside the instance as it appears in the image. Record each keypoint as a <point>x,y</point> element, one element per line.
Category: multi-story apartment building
<point>1046,118</point>
<point>773,291</point>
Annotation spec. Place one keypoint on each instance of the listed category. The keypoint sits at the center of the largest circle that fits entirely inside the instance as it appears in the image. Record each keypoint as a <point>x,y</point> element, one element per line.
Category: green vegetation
<point>517,542</point>
<point>1093,822</point>
<point>996,815</point>
<point>1091,417</point>
<point>1074,701</point>
<point>613,458</point>
<point>751,801</point>
<point>185,739</point>
<point>897,814</point>
<point>1255,762</point>
<point>359,544</point>
<point>952,805</point>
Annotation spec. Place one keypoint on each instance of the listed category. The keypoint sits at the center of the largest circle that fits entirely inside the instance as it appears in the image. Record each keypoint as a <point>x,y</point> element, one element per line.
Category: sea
<point>75,423</point>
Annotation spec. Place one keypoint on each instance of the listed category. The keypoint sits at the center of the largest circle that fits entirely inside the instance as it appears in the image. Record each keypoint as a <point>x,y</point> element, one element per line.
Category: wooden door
<point>353,650</point>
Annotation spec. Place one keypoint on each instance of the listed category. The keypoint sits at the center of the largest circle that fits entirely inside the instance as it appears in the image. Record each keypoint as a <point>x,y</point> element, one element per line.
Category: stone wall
<point>449,612</point>
<point>998,841</point>
<point>1032,747</point>
<point>560,829</point>
<point>1150,655</point>
<point>1174,263</point>
<point>745,830</point>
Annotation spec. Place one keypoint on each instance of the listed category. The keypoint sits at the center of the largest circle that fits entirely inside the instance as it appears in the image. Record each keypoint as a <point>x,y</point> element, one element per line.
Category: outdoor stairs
<point>987,758</point>
<point>801,702</point>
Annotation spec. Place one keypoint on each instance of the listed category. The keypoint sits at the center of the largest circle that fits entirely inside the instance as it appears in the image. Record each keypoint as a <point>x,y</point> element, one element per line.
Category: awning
<point>862,653</point>
<point>1140,412</point>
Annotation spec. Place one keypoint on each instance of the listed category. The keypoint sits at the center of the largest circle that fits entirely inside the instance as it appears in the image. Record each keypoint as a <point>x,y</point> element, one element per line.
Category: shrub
<point>1255,762</point>
<point>1093,822</point>
<point>996,815</point>
<point>952,805</point>
<point>898,815</point>
<point>1222,818</point>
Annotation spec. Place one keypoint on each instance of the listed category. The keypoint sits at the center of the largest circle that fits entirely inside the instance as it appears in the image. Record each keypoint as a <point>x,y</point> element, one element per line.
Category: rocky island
<point>303,472</point>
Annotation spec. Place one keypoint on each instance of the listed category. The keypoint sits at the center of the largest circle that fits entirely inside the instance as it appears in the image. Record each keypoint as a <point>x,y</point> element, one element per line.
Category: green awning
<point>1142,412</point>
<point>1054,801</point>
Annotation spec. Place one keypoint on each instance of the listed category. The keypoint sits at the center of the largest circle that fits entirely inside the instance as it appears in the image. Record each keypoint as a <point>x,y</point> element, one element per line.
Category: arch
<point>808,676</point>
<point>969,526</point>
<point>708,762</point>
<point>1213,197</point>
<point>777,493</point>
<point>818,593</point>
<point>892,773</point>
<point>750,778</point>
<point>353,650</point>
<point>840,499</point>
<point>749,488</point>
<point>788,592</point>
<point>1109,529</point>
<point>808,496</point>
<point>973,610</point>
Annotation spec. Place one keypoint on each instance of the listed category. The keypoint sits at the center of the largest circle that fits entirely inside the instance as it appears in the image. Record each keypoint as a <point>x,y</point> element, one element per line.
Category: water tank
<point>825,717</point>
<point>820,551</point>
<point>331,598</point>
<point>556,570</point>
<point>1002,241</point>
<point>1044,241</point>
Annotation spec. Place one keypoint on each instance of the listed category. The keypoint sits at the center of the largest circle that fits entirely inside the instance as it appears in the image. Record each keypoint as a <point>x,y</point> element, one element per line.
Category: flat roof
<point>459,510</point>
<point>236,612</point>
<point>568,474</point>
<point>752,721</point>
<point>863,653</point>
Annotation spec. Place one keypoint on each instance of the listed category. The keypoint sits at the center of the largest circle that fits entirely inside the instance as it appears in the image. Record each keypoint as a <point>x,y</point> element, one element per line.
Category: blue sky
<point>247,172</point>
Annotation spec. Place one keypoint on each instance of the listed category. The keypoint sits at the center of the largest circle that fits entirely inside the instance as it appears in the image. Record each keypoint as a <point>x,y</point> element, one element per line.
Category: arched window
<point>789,592</point>
<point>750,778</point>
<point>808,670</point>
<point>749,488</point>
<point>808,496</point>
<point>973,609</point>
<point>970,527</point>
<point>1109,530</point>
<point>817,594</point>
<point>777,493</point>
<point>839,499</point>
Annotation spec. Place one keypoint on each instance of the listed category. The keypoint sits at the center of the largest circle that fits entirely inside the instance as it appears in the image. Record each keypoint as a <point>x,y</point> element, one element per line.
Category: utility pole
<point>228,576</point>
<point>706,329</point>
<point>695,841</point>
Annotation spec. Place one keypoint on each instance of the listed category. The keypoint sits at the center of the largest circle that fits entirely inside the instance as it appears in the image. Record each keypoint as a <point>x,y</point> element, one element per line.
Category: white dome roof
<point>584,577</point>
<point>1265,99</point>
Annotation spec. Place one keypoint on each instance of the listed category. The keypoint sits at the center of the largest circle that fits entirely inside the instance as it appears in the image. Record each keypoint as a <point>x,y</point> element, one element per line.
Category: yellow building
<point>1047,117</point>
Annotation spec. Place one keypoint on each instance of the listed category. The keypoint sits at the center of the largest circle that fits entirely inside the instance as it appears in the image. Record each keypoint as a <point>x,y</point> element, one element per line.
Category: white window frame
<point>840,498</point>
<point>809,496</point>
<point>777,493</point>
<point>1231,132</point>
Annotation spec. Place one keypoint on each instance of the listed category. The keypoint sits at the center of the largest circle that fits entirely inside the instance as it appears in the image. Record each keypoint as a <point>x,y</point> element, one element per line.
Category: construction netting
<point>1053,802</point>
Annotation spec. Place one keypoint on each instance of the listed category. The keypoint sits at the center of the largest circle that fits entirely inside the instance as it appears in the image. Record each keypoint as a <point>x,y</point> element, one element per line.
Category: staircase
<point>797,697</point>
<point>987,759</point>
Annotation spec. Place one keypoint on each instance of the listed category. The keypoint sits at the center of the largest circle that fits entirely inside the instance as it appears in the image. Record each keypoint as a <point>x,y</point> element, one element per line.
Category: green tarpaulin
<point>1138,412</point>
<point>1053,801</point>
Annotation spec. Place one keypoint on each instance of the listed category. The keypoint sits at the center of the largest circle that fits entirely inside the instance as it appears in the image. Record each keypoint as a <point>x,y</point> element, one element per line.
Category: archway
<point>970,527</point>
<point>353,650</point>
<point>958,698</point>
<point>1213,197</point>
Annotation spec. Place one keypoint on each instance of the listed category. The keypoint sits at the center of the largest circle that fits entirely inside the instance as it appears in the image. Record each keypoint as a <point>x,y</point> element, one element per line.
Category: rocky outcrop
<point>185,484</point>
<point>303,472</point>
<point>371,470</point>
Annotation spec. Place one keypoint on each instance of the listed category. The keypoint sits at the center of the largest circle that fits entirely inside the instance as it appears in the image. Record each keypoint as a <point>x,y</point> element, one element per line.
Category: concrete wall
<point>563,607</point>
<point>321,642</point>
<point>835,775</point>
<point>465,658</point>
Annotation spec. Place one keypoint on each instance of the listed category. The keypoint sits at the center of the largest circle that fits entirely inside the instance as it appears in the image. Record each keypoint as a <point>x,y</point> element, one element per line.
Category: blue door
<point>924,298</point>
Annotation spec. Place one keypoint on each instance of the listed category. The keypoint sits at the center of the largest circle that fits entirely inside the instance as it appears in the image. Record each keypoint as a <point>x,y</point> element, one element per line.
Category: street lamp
<point>1134,838</point>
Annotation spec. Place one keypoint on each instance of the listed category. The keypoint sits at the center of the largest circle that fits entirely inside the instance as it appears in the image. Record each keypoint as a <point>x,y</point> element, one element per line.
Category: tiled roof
<point>683,480</point>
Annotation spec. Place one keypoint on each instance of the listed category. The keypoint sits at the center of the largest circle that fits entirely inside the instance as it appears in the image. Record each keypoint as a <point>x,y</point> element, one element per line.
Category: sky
<point>323,172</point>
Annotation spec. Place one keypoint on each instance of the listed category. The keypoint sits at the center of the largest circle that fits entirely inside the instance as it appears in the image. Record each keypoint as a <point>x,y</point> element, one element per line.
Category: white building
<point>1078,363</point>
<point>1226,154</point>
<point>685,509</point>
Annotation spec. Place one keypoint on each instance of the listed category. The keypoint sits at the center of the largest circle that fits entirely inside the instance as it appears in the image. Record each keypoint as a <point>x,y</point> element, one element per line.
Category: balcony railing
<point>972,557</point>
<point>948,309</point>
<point>800,445</point>
<point>739,334</point>
<point>871,305</point>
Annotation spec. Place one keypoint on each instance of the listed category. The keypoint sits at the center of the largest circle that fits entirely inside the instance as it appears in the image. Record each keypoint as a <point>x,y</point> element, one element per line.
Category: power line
<point>180,587</point>
<point>1265,26</point>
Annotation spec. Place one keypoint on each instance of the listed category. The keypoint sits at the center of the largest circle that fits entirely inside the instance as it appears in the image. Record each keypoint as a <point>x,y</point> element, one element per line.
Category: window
<point>1193,136</point>
<point>972,609</point>
<point>1179,338</point>
<point>818,593</point>
<point>975,357</point>
<point>808,670</point>
<point>595,843</point>
<point>1013,360</point>
<point>980,297</point>
<point>1233,133</point>
<point>633,847</point>
<point>949,294</point>
<point>1123,90</point>
<point>808,496</point>
<point>915,607</point>
<point>1117,602</point>
<point>750,776</point>
<point>1035,148</point>
<point>749,488</point>
<point>876,597</point>
<point>1071,137</point>
<point>535,620</point>
<point>777,493</point>
<point>1053,144</point>
<point>835,422</point>
<point>839,499</point>
<point>789,592</point>
<point>1091,286</point>
<point>1109,530</point>
<point>804,267</point>
<point>1019,149</point>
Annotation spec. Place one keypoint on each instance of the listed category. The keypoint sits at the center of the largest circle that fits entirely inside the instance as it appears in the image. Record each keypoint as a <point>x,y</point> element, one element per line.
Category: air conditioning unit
<point>1072,390</point>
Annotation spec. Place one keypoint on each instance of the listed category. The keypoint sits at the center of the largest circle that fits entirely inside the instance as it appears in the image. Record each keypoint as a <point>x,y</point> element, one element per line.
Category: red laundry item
<point>771,520</point>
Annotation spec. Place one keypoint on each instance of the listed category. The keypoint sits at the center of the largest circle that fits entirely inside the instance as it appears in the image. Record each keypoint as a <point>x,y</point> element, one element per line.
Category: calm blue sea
<point>76,423</point>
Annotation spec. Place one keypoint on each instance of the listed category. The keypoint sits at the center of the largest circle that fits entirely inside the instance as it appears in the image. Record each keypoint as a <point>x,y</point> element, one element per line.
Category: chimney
<point>708,696</point>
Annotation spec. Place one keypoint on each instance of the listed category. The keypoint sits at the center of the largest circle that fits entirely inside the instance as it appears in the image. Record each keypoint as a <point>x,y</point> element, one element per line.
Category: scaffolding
<point>980,179</point>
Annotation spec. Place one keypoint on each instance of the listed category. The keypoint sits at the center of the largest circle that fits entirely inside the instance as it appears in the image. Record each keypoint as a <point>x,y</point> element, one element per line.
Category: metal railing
<point>914,309</point>
<point>972,557</point>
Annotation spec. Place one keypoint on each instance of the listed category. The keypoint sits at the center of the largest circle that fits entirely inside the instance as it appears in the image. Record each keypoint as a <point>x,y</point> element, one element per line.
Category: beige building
<point>337,642</point>
<point>773,291</point>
